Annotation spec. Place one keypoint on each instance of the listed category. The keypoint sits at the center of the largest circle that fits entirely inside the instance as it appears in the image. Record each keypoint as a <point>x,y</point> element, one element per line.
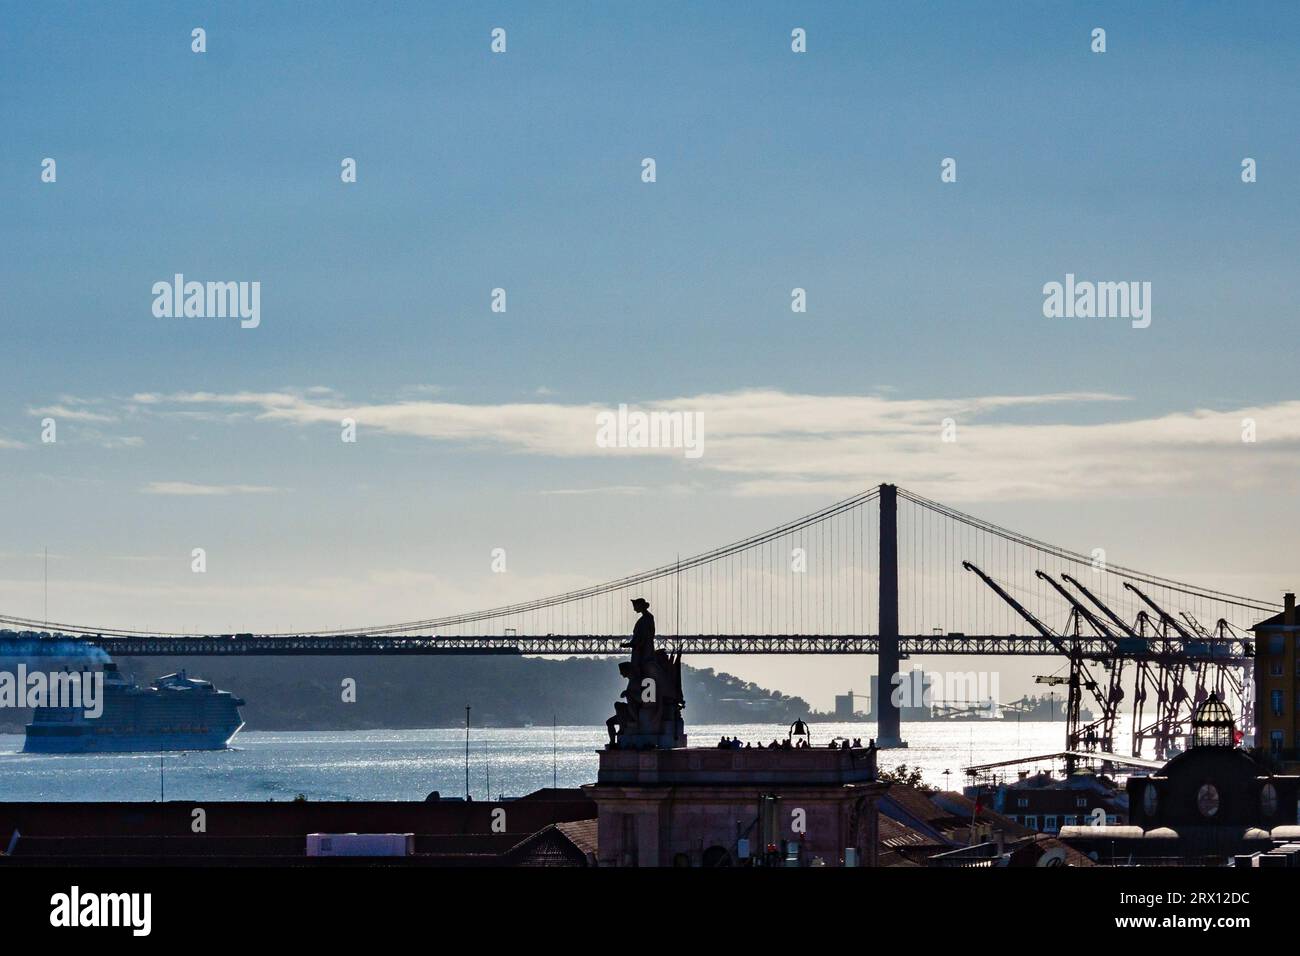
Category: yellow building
<point>1277,690</point>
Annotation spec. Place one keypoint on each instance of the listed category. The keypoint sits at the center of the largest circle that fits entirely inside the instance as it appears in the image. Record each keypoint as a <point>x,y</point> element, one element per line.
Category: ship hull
<point>37,742</point>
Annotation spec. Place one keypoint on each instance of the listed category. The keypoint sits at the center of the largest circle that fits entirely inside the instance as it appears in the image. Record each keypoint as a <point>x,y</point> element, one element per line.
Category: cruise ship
<point>175,712</point>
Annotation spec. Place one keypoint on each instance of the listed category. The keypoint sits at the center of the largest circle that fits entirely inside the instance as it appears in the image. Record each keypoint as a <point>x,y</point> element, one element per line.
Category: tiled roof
<point>1046,844</point>
<point>915,803</point>
<point>1277,620</point>
<point>581,833</point>
<point>901,845</point>
<point>964,807</point>
<point>560,844</point>
<point>895,834</point>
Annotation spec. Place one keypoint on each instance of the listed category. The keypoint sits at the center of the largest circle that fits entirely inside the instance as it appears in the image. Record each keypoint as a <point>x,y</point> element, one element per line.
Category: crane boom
<point>1118,621</point>
<point>1098,625</point>
<point>1019,608</point>
<point>1165,616</point>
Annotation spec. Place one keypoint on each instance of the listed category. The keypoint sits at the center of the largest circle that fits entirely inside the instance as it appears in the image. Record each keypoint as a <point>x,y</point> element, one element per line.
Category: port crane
<point>1188,644</point>
<point>1163,650</point>
<point>1098,734</point>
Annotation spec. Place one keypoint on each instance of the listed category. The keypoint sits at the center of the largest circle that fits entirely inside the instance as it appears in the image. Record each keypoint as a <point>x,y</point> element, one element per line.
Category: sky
<point>523,171</point>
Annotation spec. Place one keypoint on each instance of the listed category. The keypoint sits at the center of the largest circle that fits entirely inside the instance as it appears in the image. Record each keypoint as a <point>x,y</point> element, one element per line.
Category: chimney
<point>1288,609</point>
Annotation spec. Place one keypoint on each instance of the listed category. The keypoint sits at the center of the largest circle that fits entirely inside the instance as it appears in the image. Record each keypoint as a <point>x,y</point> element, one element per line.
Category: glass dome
<point>1212,725</point>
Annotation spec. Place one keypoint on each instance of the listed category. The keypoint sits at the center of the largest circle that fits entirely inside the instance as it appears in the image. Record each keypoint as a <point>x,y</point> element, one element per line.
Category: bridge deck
<point>609,644</point>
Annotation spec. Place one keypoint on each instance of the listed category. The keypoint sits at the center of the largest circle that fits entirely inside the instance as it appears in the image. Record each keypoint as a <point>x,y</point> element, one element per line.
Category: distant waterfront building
<point>915,691</point>
<point>844,706</point>
<point>1277,691</point>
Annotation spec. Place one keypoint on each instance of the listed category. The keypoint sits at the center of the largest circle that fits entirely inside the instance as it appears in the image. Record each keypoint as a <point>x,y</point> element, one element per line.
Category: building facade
<point>1277,691</point>
<point>737,807</point>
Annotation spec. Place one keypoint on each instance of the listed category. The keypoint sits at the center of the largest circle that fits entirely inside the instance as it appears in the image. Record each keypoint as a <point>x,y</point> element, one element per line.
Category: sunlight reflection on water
<point>408,764</point>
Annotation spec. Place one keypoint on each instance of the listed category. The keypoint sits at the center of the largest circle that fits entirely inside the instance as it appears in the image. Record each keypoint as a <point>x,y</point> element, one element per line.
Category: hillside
<point>408,692</point>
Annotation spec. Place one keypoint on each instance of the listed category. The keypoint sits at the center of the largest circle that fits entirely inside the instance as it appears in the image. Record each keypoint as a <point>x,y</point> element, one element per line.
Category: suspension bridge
<point>886,572</point>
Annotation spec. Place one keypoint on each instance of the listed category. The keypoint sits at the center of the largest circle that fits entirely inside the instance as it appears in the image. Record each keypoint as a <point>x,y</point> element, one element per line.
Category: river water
<point>408,764</point>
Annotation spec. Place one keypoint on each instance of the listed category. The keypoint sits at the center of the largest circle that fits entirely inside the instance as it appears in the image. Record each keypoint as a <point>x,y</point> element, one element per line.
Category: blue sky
<point>522,171</point>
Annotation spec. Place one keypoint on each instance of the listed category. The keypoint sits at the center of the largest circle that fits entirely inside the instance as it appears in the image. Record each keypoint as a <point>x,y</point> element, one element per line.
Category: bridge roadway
<point>237,645</point>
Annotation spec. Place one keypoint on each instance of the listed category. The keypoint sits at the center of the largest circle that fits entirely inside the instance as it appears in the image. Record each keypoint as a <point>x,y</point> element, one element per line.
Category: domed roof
<point>1212,725</point>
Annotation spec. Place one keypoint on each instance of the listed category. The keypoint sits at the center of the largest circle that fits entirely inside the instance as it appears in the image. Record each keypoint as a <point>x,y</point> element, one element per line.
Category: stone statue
<point>650,711</point>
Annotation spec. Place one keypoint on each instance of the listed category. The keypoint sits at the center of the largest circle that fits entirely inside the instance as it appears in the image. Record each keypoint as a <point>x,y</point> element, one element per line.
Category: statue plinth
<point>668,736</point>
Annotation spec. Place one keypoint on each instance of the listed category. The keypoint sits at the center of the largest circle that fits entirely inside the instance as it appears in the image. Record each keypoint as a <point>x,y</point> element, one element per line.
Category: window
<point>1276,698</point>
<point>1276,644</point>
<point>629,854</point>
<point>1069,820</point>
<point>1150,800</point>
<point>1049,823</point>
<point>1268,800</point>
<point>1081,801</point>
<point>1275,740</point>
<point>1112,819</point>
<point>1031,821</point>
<point>1022,802</point>
<point>1275,669</point>
<point>1207,800</point>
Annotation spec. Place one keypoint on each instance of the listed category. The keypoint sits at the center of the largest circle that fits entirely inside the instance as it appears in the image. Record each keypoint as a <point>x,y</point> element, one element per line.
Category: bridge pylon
<point>888,718</point>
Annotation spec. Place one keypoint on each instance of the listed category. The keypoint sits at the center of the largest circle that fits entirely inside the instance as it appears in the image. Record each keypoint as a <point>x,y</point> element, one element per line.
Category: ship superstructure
<point>175,712</point>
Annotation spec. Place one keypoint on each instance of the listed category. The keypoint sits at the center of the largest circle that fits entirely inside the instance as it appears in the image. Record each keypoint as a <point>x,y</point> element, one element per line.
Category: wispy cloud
<point>190,488</point>
<point>114,441</point>
<point>72,414</point>
<point>771,442</point>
